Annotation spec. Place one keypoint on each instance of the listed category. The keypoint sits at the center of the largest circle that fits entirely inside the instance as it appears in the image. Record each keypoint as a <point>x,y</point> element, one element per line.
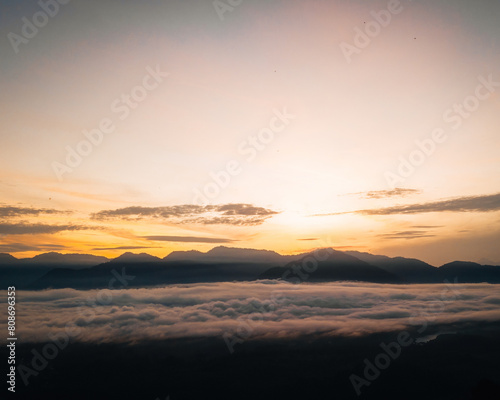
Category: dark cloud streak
<point>21,247</point>
<point>486,203</point>
<point>382,194</point>
<point>12,211</point>
<point>225,214</point>
<point>187,239</point>
<point>124,248</point>
<point>33,229</point>
<point>406,235</point>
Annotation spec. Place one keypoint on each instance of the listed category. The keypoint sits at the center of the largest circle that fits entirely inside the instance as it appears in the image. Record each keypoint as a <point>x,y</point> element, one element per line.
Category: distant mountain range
<point>25,271</point>
<point>53,259</point>
<point>84,271</point>
<point>336,266</point>
<point>232,254</point>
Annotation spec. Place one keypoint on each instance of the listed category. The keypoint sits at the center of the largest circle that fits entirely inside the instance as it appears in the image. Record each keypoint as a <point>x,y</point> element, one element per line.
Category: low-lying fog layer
<point>249,309</point>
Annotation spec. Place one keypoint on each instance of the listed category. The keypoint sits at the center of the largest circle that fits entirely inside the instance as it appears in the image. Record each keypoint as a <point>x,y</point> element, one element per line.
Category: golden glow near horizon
<point>164,105</point>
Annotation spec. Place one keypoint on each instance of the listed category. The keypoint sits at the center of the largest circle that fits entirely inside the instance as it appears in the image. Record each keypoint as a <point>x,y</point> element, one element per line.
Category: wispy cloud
<point>125,248</point>
<point>382,194</point>
<point>486,203</point>
<point>32,229</point>
<point>188,239</point>
<point>426,226</point>
<point>406,235</point>
<point>225,214</point>
<point>21,247</point>
<point>13,211</point>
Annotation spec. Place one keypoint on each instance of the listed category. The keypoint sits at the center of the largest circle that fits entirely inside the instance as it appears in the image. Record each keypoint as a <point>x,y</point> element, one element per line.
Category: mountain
<point>24,272</point>
<point>191,255</point>
<point>409,269</point>
<point>338,266</point>
<point>54,259</point>
<point>129,257</point>
<point>465,271</point>
<point>223,254</point>
<point>223,264</point>
<point>7,259</point>
<point>218,265</point>
<point>144,274</point>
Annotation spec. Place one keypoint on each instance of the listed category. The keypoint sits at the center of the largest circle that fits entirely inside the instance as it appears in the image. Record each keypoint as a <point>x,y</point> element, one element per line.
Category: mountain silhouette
<point>408,269</point>
<point>25,271</point>
<point>223,254</point>
<point>54,258</point>
<point>469,272</point>
<point>336,266</point>
<point>218,265</point>
<point>7,259</point>
<point>129,257</point>
<point>85,271</point>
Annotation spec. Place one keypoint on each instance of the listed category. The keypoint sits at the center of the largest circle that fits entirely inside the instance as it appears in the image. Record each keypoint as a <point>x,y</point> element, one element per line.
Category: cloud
<point>188,239</point>
<point>225,214</point>
<point>33,229</point>
<point>12,211</point>
<point>382,194</point>
<point>406,235</point>
<point>242,221</point>
<point>20,247</point>
<point>486,203</point>
<point>261,309</point>
<point>125,248</point>
<point>426,226</point>
<point>415,232</point>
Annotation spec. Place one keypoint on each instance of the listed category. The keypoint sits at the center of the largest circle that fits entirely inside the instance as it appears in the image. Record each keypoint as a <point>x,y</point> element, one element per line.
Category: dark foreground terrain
<point>454,366</point>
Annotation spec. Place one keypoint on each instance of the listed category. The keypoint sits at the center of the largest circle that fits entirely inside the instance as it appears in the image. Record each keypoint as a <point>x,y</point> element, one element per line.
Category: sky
<point>285,125</point>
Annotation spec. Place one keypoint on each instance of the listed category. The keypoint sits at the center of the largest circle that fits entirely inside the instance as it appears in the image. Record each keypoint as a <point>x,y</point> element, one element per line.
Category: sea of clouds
<point>257,309</point>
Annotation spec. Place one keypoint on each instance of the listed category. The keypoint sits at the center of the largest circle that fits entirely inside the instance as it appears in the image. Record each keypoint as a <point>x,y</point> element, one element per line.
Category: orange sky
<point>260,108</point>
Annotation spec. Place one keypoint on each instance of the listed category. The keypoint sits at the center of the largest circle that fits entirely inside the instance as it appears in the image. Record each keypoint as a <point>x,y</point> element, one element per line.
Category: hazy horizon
<point>483,261</point>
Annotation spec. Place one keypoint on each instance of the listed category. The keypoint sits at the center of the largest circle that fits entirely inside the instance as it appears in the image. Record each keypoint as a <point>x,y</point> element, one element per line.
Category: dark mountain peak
<point>69,259</point>
<point>336,255</point>
<point>237,251</point>
<point>363,254</point>
<point>408,269</point>
<point>224,254</point>
<point>135,257</point>
<point>373,258</point>
<point>52,255</point>
<point>191,255</point>
<point>461,265</point>
<point>407,259</point>
<point>467,271</point>
<point>7,259</point>
<point>336,266</point>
